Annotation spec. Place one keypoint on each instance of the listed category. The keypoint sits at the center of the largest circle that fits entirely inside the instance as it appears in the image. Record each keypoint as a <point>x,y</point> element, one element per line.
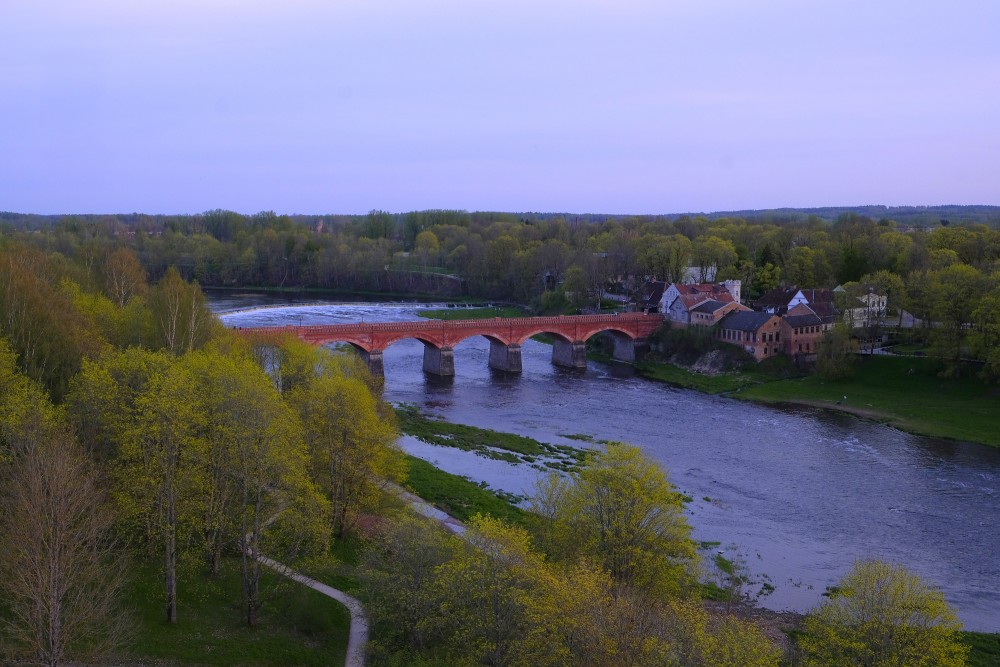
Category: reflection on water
<point>801,493</point>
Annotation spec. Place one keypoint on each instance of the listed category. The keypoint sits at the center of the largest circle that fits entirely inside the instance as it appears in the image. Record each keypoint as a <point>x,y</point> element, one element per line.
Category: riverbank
<point>902,392</point>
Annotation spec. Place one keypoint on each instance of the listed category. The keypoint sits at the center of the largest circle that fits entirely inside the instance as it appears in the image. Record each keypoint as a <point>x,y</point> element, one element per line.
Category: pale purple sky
<point>614,106</point>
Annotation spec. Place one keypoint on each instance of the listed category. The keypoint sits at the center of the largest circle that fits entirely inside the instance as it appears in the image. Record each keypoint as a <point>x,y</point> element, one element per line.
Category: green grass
<point>903,392</point>
<point>297,626</point>
<point>681,377</point>
<point>486,442</point>
<point>458,496</point>
<point>985,649</point>
<point>472,313</point>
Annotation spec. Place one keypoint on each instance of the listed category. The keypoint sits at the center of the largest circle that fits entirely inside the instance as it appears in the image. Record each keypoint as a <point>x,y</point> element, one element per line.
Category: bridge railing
<point>429,325</point>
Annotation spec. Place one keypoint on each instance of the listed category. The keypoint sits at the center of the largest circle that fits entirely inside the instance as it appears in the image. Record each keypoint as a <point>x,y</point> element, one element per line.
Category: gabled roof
<point>825,310</point>
<point>814,296</point>
<point>707,289</point>
<point>710,306</point>
<point>777,297</point>
<point>690,301</point>
<point>745,320</point>
<point>652,291</point>
<point>784,295</point>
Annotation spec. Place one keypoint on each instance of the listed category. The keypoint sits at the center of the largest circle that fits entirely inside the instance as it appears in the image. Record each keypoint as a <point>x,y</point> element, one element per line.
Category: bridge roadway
<point>629,331</point>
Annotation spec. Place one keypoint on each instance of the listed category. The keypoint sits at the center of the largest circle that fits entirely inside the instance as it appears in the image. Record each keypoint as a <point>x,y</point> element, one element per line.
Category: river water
<point>796,494</point>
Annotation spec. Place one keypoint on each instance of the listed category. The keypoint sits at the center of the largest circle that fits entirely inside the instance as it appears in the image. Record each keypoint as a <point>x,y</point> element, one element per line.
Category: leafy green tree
<point>351,437</point>
<point>711,251</point>
<point>955,293</point>
<point>622,511</point>
<point>881,615</point>
<point>835,353</point>
<point>766,277</point>
<point>800,269</point>
<point>985,337</point>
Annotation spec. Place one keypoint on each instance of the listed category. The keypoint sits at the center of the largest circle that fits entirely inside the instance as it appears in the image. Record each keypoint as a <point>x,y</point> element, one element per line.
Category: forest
<point>145,447</point>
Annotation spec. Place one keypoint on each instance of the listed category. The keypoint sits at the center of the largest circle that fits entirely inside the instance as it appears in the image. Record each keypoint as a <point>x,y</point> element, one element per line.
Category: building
<point>757,333</point>
<point>678,299</point>
<point>801,333</point>
<point>710,312</point>
<point>781,300</point>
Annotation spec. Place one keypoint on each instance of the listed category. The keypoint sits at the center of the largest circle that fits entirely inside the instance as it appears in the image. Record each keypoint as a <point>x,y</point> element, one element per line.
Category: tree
<point>350,437</point>
<point>881,615</point>
<point>622,511</point>
<point>124,277</point>
<point>954,294</point>
<point>835,353</point>
<point>399,567</point>
<point>711,252</point>
<point>181,314</point>
<point>61,572</point>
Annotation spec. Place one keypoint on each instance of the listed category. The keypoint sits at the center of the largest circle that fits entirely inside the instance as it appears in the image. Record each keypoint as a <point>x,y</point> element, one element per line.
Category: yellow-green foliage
<point>622,511</point>
<point>883,616</point>
<point>494,599</point>
<point>21,402</point>
<point>349,432</point>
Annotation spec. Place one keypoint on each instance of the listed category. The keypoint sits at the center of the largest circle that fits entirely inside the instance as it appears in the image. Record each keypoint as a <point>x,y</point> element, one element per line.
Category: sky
<point>585,106</point>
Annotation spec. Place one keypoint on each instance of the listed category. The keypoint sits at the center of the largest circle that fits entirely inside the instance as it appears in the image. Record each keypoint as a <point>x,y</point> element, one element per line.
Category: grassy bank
<point>903,392</point>
<point>985,649</point>
<point>473,313</point>
<point>486,442</point>
<point>458,496</point>
<point>297,626</point>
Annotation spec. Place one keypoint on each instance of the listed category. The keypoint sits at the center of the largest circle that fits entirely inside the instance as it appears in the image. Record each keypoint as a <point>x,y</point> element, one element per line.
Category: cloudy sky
<point>614,106</point>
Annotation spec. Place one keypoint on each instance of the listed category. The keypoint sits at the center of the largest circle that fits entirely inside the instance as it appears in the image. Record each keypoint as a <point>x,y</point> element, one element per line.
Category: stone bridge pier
<point>628,349</point>
<point>569,354</point>
<point>439,360</point>
<point>505,358</point>
<point>374,361</point>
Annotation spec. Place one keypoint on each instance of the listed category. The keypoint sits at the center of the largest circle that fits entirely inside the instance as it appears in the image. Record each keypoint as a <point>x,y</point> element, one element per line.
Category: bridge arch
<point>506,335</point>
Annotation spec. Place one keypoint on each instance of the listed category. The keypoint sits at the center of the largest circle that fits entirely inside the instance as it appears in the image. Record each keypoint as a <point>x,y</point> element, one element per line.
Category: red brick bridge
<point>630,332</point>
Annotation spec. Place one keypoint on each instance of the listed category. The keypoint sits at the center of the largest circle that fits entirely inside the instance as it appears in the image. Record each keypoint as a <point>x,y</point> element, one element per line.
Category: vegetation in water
<point>458,496</point>
<point>487,442</point>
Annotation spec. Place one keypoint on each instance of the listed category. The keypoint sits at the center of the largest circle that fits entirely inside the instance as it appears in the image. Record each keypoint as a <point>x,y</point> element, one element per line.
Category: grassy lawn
<point>472,313</point>
<point>903,392</point>
<point>297,626</point>
<point>681,377</point>
<point>458,496</point>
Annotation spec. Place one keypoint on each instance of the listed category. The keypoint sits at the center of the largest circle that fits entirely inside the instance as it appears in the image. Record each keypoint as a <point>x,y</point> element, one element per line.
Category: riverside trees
<point>881,615</point>
<point>613,586</point>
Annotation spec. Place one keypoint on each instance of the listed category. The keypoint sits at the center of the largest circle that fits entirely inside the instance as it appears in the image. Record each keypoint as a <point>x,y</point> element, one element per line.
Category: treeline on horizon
<point>947,274</point>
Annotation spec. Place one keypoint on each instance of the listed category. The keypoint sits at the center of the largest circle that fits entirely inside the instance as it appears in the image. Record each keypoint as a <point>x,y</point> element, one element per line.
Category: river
<point>796,494</point>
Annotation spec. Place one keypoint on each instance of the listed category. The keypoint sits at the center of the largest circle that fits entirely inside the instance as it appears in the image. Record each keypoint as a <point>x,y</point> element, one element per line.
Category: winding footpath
<point>358,634</point>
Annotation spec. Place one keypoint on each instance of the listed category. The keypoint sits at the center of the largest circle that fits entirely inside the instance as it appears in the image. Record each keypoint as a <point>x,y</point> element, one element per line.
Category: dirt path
<point>358,636</point>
